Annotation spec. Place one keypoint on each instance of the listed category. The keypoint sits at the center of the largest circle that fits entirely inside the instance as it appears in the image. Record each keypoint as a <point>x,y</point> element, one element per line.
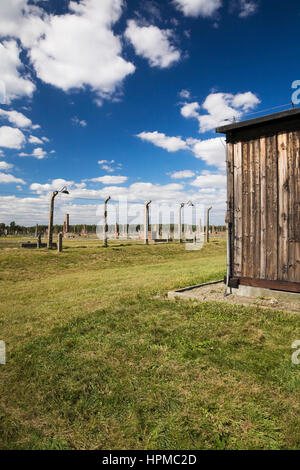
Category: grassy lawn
<point>97,358</point>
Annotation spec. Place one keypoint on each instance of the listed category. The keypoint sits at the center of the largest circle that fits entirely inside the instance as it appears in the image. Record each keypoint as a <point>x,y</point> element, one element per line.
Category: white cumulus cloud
<point>222,108</point>
<point>21,20</point>
<point>212,151</point>
<point>55,185</point>
<point>5,166</point>
<point>247,8</point>
<point>38,153</point>
<point>190,110</point>
<point>182,174</point>
<point>11,138</point>
<point>171,144</point>
<point>185,94</point>
<point>35,140</point>
<point>101,162</point>
<point>108,165</point>
<point>205,8</point>
<point>153,44</point>
<point>210,180</point>
<point>16,118</point>
<point>80,49</point>
<point>7,178</point>
<point>245,101</point>
<point>109,179</point>
<point>16,83</point>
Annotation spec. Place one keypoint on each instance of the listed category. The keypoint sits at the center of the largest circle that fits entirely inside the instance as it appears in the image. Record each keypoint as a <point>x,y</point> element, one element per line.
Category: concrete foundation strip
<point>174,293</point>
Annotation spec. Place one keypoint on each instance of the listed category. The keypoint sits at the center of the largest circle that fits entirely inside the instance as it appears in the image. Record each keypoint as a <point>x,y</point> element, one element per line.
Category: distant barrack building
<point>263,171</point>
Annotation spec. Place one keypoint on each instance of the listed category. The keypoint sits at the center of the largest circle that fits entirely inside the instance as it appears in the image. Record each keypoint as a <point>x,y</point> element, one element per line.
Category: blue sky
<point>121,98</point>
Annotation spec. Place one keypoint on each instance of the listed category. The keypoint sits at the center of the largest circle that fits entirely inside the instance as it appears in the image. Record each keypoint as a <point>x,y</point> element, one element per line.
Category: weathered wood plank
<point>245,207</point>
<point>230,202</point>
<point>257,218</point>
<point>272,208</point>
<point>291,138</point>
<point>270,284</point>
<point>275,206</point>
<point>296,214</point>
<point>251,246</point>
<point>283,206</point>
<point>263,206</point>
<point>237,210</point>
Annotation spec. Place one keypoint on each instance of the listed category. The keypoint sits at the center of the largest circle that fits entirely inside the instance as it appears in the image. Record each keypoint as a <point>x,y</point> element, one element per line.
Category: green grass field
<point>98,358</point>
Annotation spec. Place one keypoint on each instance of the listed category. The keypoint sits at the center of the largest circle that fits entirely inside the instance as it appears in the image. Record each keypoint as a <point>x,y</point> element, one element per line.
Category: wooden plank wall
<point>230,202</point>
<point>265,189</point>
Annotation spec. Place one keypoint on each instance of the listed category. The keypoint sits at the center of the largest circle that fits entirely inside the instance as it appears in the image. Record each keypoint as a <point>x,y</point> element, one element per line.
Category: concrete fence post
<point>60,242</point>
<point>155,232</point>
<point>67,220</point>
<point>117,230</point>
<point>146,222</point>
<point>199,228</point>
<point>50,226</point>
<point>105,227</point>
<point>180,222</point>
<point>39,240</point>
<point>207,224</point>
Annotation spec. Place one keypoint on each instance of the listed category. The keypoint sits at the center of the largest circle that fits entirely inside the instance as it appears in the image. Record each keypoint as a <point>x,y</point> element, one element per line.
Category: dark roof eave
<point>257,121</point>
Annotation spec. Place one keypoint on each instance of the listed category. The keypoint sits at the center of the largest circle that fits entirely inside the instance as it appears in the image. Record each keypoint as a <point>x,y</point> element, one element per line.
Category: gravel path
<point>216,293</point>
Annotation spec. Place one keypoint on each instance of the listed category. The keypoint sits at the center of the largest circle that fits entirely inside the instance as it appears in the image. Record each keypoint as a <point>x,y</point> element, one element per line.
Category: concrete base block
<point>33,245</point>
<point>29,245</point>
<point>248,291</point>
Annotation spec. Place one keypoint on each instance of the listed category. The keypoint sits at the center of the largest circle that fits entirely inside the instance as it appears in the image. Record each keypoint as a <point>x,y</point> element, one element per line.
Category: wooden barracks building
<point>263,171</point>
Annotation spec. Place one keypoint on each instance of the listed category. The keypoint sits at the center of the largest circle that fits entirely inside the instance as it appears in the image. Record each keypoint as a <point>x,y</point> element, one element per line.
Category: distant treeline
<point>13,228</point>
